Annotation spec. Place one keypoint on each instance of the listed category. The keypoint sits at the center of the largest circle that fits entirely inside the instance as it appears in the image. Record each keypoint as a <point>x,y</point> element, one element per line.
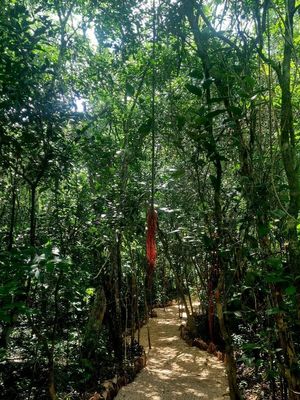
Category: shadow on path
<point>174,370</point>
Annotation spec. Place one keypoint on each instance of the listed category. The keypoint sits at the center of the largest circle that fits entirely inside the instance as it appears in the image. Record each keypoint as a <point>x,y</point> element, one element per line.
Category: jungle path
<point>175,370</point>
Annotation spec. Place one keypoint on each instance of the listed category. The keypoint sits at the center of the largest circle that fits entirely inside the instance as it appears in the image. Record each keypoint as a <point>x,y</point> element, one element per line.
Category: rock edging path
<point>175,370</point>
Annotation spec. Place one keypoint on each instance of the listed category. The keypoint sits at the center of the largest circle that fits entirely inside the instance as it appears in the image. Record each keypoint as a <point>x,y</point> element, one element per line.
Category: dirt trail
<point>174,370</point>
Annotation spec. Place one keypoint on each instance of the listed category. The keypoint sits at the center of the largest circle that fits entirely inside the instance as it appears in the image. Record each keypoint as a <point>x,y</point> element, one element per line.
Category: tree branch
<point>217,34</point>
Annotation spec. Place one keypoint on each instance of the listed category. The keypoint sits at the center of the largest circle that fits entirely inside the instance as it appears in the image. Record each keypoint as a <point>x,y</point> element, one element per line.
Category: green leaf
<point>129,90</point>
<point>194,89</point>
<point>278,213</point>
<point>50,266</point>
<point>238,314</point>
<point>274,262</point>
<point>146,127</point>
<point>273,311</point>
<point>197,74</point>
<point>5,317</point>
<point>250,346</point>
<point>180,119</point>
<point>290,291</point>
<point>249,82</point>
<point>178,174</point>
<point>202,120</point>
<point>215,113</point>
<point>90,291</point>
<point>274,278</point>
<point>263,230</point>
<point>237,111</point>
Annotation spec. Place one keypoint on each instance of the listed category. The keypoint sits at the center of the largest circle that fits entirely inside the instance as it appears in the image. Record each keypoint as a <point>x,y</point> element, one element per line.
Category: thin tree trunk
<point>179,283</point>
<point>231,370</point>
<point>32,214</point>
<point>12,217</point>
<point>94,324</point>
<point>116,319</point>
<point>8,326</point>
<point>230,359</point>
<point>202,45</point>
<point>51,378</point>
<point>288,148</point>
<point>133,294</point>
<point>292,169</point>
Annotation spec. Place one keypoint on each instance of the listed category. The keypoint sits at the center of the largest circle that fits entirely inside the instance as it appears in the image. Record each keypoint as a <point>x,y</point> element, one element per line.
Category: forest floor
<point>175,370</point>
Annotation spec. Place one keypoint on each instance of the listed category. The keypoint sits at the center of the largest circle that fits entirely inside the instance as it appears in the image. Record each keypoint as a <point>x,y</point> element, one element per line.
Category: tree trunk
<point>202,45</point>
<point>234,391</point>
<point>51,378</point>
<point>230,359</point>
<point>32,214</point>
<point>290,358</point>
<point>179,283</point>
<point>134,306</point>
<point>94,324</point>
<point>115,316</point>
<point>12,217</point>
<point>292,169</point>
<point>288,148</point>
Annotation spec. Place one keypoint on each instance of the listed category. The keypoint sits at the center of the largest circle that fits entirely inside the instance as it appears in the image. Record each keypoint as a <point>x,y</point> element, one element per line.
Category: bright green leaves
<point>39,268</point>
<point>89,293</point>
<point>298,230</point>
<point>15,270</point>
<point>49,261</point>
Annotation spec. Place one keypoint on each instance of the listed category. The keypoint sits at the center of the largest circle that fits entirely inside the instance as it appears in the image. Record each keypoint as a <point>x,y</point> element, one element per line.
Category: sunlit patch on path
<point>175,370</point>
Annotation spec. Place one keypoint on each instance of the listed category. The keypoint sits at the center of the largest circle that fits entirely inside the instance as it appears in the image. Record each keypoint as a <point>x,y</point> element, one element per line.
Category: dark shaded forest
<point>171,122</point>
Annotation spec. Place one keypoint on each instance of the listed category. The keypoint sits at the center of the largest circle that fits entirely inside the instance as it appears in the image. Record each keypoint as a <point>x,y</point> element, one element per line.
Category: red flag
<point>150,242</point>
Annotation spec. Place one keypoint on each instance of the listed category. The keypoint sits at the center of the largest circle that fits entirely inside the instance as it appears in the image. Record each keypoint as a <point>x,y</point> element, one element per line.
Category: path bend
<point>175,370</point>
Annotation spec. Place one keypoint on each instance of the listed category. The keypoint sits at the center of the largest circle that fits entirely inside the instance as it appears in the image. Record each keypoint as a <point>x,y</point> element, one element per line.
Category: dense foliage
<point>84,88</point>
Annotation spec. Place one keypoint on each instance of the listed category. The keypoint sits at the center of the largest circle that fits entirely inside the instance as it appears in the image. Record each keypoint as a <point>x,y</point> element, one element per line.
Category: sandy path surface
<point>174,370</point>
